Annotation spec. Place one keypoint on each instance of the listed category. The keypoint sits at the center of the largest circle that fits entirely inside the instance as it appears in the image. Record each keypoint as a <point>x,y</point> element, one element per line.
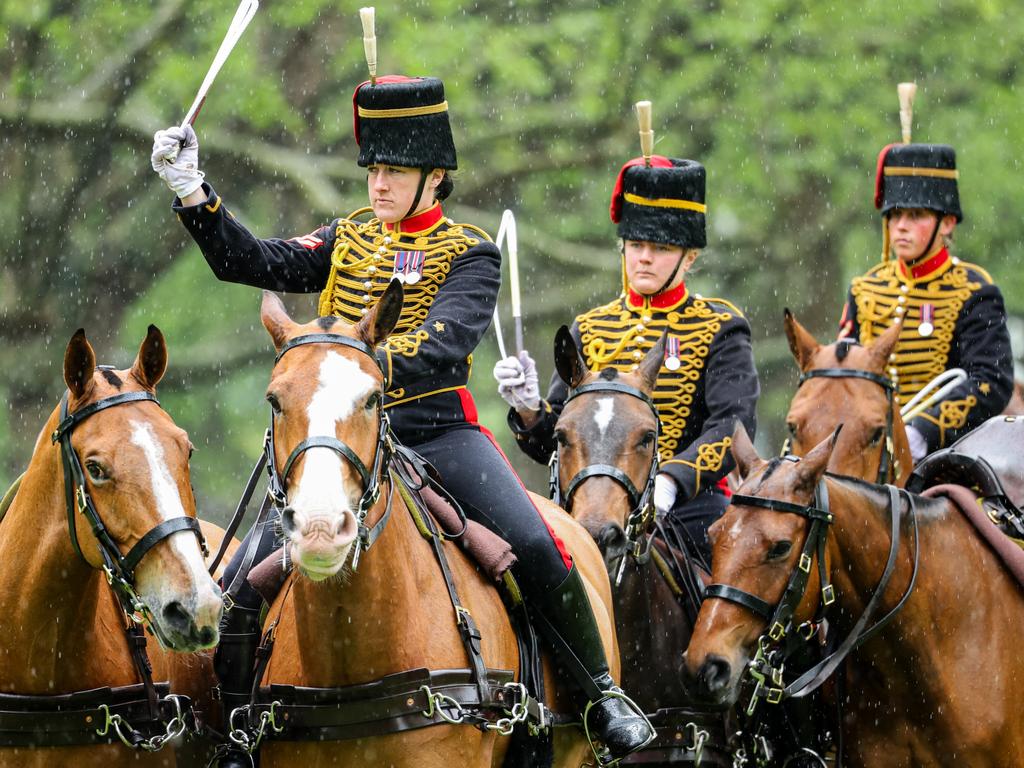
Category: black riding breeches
<point>697,515</point>
<point>477,474</point>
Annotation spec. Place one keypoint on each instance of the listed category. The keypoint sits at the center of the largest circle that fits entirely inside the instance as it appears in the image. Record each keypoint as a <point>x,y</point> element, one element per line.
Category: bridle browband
<point>641,516</point>
<point>370,478</point>
<point>780,641</point>
<point>886,462</point>
<point>120,569</point>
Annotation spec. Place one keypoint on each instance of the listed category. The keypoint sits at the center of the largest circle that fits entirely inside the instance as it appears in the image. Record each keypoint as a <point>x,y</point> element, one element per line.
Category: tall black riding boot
<point>612,720</point>
<point>234,663</point>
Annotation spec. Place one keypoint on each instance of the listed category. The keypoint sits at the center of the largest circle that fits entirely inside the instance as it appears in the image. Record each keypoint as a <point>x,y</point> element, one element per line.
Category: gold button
<point>638,355</point>
<point>647,318</point>
<point>371,269</point>
<point>363,311</point>
<point>366,298</point>
<point>902,299</point>
<point>387,240</point>
<point>382,249</point>
<point>633,367</point>
<point>368,284</point>
<point>904,288</point>
<point>640,328</point>
<point>899,310</point>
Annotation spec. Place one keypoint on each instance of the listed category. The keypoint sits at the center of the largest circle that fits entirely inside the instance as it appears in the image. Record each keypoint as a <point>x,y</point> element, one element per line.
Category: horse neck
<point>859,548</point>
<point>396,594</point>
<point>48,594</point>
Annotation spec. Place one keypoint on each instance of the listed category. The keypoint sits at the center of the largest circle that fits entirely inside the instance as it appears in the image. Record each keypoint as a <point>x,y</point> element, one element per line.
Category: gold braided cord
<point>918,359</point>
<point>361,271</point>
<point>615,335</point>
<point>937,173</point>
<point>952,415</point>
<point>384,114</point>
<point>665,202</point>
<point>710,457</point>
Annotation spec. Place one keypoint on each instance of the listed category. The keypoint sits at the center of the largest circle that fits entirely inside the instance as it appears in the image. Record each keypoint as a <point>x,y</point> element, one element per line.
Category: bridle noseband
<point>641,517</point>
<point>370,478</point>
<point>886,463</point>
<point>120,569</point>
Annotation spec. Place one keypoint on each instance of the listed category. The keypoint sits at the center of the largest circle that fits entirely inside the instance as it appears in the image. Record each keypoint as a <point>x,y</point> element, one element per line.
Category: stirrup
<point>602,754</point>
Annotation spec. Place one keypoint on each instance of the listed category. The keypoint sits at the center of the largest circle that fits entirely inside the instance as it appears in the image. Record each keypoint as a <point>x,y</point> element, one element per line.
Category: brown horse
<point>61,625</point>
<point>337,625</point>
<point>936,684</point>
<point>846,384</point>
<point>607,435</point>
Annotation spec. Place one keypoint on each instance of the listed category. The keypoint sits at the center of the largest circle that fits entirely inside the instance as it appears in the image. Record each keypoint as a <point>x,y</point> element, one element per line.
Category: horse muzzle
<point>713,681</point>
<point>320,542</point>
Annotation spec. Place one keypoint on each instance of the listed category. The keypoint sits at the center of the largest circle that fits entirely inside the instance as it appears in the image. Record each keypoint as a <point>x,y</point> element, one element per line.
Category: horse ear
<point>151,363</point>
<point>801,343</point>
<point>79,363</point>
<point>883,346</point>
<point>381,320</point>
<point>568,360</point>
<point>743,450</point>
<point>812,466</point>
<point>651,364</point>
<point>275,318</point>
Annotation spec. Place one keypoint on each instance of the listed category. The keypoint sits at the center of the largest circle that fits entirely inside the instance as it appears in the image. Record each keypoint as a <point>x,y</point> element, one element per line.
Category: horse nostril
<point>288,520</point>
<point>714,674</point>
<point>206,636</point>
<point>176,616</point>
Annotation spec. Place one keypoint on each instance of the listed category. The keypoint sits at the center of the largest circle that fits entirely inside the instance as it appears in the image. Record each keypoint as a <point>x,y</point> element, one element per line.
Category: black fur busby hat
<point>403,121</point>
<point>662,202</point>
<point>918,176</point>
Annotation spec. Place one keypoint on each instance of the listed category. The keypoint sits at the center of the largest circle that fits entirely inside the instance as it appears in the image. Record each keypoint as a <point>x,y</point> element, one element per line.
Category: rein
<point>641,518</point>
<point>101,715</point>
<point>887,465</point>
<point>781,640</point>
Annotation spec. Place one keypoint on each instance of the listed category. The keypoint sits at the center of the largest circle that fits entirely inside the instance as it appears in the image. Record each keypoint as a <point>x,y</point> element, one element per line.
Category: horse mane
<point>879,494</point>
<point>843,348</point>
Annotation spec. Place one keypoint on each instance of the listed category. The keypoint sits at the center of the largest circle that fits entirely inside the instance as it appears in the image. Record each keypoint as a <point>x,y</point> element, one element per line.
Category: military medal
<point>409,266</point>
<point>927,325</point>
<point>672,353</point>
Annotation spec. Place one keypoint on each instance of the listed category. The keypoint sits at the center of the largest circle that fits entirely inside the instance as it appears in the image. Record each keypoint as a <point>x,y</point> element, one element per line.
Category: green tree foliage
<point>787,103</point>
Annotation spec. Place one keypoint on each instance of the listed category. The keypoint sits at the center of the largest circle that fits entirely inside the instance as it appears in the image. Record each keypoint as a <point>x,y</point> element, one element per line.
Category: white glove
<point>176,159</point>
<point>517,382</point>
<point>665,491</point>
<point>918,446</point>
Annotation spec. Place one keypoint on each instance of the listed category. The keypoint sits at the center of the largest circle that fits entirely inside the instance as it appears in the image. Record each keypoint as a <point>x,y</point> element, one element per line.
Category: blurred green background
<point>787,103</point>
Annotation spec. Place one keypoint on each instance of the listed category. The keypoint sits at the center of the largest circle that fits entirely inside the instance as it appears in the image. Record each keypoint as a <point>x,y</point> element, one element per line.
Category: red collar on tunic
<point>419,222</point>
<point>925,268</point>
<point>665,300</point>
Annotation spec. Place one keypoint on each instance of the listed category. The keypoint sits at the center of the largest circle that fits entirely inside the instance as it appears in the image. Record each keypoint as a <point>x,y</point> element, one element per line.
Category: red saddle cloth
<point>967,500</point>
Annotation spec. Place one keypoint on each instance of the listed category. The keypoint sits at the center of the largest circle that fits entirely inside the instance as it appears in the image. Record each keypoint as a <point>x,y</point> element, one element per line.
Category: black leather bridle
<point>640,521</point>
<point>888,468</point>
<point>371,478</point>
<point>781,639</point>
<point>120,569</point>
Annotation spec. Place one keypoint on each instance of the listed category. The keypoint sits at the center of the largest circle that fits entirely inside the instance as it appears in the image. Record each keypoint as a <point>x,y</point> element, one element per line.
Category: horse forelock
<point>112,378</point>
<point>608,374</point>
<point>327,322</point>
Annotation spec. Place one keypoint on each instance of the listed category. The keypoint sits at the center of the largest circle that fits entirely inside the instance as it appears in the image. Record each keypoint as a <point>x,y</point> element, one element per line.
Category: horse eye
<point>274,402</point>
<point>877,435</point>
<point>372,400</point>
<point>779,550</point>
<point>97,473</point>
<point>791,426</point>
<point>648,439</point>
<point>561,438</point>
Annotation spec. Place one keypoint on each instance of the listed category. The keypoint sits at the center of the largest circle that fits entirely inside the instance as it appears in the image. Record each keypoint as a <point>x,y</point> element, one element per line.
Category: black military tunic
<point>698,402</point>
<point>952,317</point>
<point>452,274</point>
<point>428,357</point>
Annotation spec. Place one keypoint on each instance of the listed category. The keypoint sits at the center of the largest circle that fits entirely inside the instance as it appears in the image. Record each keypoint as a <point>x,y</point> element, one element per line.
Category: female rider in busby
<point>451,277</point>
<point>707,380</point>
<point>951,313</point>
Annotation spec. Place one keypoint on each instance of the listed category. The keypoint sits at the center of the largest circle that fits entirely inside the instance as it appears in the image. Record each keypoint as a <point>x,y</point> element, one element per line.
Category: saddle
<point>987,460</point>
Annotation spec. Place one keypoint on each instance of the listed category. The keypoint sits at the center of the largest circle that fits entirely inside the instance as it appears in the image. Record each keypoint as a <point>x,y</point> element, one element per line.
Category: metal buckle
<point>828,594</point>
<point>777,632</point>
<point>805,562</point>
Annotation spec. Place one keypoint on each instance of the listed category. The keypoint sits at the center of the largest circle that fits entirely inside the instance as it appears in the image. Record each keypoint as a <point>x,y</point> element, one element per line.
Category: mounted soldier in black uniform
<point>451,277</point>
<point>707,380</point>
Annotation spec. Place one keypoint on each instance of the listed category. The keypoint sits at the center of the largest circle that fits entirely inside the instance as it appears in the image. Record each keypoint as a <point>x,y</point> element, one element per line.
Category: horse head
<point>607,436</point>
<point>755,550</point>
<point>326,392</point>
<point>845,383</point>
<point>134,464</point>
